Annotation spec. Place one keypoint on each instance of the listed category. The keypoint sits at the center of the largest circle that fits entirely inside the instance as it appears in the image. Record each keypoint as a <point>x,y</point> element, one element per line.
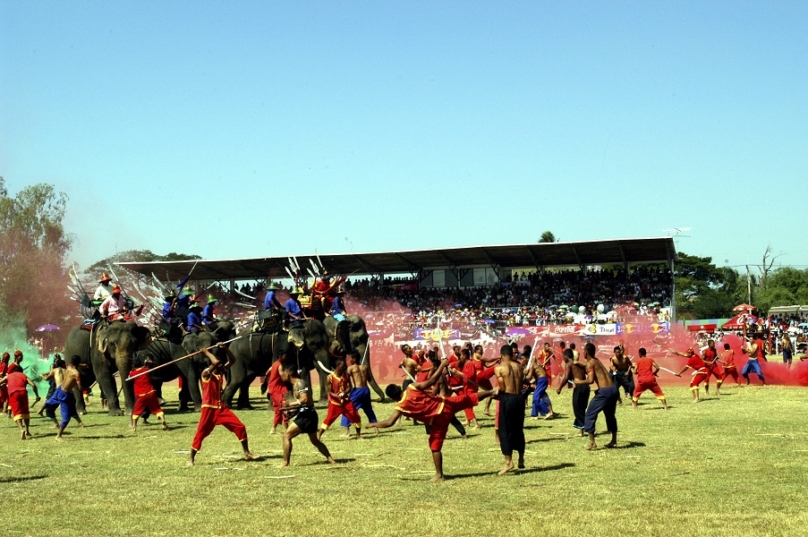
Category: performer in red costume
<point>214,411</point>
<point>146,397</point>
<point>339,402</point>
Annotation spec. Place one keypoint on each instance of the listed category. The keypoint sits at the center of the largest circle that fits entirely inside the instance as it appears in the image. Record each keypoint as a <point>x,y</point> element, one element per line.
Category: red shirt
<point>420,405</point>
<point>337,385</point>
<point>142,385</point>
<point>728,357</point>
<point>212,391</point>
<point>470,372</point>
<point>710,355</point>
<point>695,362</point>
<point>17,382</point>
<point>275,384</point>
<point>645,369</point>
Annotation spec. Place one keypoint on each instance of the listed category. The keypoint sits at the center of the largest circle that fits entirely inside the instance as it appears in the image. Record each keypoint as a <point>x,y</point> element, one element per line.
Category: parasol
<point>47,328</point>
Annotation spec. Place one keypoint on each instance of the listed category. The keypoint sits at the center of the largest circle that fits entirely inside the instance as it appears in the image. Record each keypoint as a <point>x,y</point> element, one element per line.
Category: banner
<point>584,330</point>
<point>436,334</point>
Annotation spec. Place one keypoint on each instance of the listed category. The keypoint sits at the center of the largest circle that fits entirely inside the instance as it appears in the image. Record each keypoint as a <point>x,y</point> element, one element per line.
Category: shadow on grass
<point>629,445</point>
<point>549,439</point>
<point>21,478</point>
<point>493,473</point>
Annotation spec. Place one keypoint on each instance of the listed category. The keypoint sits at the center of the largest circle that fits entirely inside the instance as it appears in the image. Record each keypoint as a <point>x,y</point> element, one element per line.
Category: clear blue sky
<point>241,129</point>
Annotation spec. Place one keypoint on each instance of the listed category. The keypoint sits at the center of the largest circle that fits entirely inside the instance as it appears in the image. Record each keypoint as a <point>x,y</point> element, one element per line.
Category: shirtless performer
<point>435,410</point>
<point>621,367</point>
<point>605,399</point>
<point>511,409</point>
<point>360,395</point>
<point>63,397</point>
<point>580,392</point>
<point>410,365</point>
<point>301,414</point>
<point>538,373</point>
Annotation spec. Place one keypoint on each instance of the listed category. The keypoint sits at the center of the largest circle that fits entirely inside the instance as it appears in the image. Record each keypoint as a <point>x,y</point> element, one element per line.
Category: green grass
<point>734,466</point>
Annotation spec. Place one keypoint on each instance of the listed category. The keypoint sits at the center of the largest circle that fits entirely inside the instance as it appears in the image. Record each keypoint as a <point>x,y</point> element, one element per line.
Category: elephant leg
<point>124,363</point>
<point>185,396</point>
<point>81,408</point>
<point>238,373</point>
<point>106,382</point>
<point>192,384</point>
<point>244,392</point>
<point>158,390</point>
<point>323,386</point>
<point>375,386</point>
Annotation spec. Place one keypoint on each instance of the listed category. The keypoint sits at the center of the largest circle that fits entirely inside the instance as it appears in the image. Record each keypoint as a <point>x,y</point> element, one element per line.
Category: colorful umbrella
<point>47,328</point>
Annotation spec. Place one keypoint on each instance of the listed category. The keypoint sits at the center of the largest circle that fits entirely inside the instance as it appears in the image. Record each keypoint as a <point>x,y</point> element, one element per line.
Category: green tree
<point>138,255</point>
<point>547,236</point>
<point>33,246</point>
<point>704,291</point>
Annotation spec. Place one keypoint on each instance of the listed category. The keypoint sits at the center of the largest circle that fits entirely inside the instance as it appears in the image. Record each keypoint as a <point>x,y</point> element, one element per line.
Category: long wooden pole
<point>181,358</point>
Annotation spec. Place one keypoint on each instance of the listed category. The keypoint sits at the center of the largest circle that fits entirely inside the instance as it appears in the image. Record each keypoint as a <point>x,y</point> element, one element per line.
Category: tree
<point>704,291</point>
<point>547,236</point>
<point>33,246</point>
<point>139,256</point>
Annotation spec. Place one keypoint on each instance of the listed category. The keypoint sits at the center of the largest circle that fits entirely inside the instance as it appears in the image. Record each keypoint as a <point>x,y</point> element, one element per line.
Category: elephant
<point>190,370</point>
<point>350,335</point>
<point>108,347</point>
<point>255,352</point>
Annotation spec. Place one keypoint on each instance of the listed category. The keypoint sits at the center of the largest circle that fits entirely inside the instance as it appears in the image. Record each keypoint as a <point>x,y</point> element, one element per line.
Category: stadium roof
<point>613,251</point>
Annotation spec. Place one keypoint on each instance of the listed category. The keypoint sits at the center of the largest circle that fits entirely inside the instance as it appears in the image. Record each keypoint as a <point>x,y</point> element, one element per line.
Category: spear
<point>365,354</point>
<point>184,357</point>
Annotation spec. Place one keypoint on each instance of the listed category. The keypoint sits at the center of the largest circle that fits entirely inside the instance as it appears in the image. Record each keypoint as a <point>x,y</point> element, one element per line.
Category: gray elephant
<point>189,370</point>
<point>255,352</point>
<point>107,348</point>
<point>345,337</point>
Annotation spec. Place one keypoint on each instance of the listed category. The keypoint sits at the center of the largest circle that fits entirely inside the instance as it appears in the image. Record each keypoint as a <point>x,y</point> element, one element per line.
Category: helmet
<point>340,289</point>
<point>105,278</point>
<point>296,291</point>
<point>116,289</point>
<point>273,286</point>
<point>212,299</point>
<point>188,292</point>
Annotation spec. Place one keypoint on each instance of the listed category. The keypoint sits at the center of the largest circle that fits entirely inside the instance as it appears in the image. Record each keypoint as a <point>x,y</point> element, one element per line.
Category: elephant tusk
<point>321,366</point>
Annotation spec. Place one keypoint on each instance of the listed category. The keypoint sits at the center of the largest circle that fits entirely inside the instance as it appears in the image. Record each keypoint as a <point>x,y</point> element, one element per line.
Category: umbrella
<point>802,325</point>
<point>47,328</point>
<point>741,308</point>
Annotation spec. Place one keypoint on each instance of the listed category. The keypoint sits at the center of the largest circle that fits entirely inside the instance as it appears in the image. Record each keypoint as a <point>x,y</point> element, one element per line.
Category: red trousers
<point>210,418</point>
<point>714,370</point>
<point>335,411</point>
<point>700,376</point>
<point>147,401</point>
<point>647,384</point>
<point>277,404</point>
<point>18,403</point>
<point>730,372</point>
<point>438,429</point>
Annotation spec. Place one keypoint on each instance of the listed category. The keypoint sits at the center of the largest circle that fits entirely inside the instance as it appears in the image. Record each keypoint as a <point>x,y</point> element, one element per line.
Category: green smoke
<point>12,337</point>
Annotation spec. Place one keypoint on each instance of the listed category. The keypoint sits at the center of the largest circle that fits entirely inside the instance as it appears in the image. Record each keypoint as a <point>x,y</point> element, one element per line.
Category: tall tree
<point>138,255</point>
<point>33,246</point>
<point>704,291</point>
<point>547,236</point>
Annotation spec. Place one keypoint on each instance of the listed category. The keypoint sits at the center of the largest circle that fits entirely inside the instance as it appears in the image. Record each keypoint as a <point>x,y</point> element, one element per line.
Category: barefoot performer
<point>511,409</point>
<point>359,372</point>
<point>339,402</point>
<point>214,411</point>
<point>146,397</point>
<point>756,355</point>
<point>622,368</point>
<point>710,357</point>
<point>17,385</point>
<point>64,399</point>
<point>277,392</point>
<point>605,399</point>
<point>580,392</point>
<point>302,415</point>
<point>647,370</point>
<point>435,410</point>
<point>727,359</point>
<point>700,370</point>
<point>538,372</point>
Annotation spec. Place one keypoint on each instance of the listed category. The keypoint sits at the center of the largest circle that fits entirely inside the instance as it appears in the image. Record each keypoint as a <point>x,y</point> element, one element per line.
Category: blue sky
<point>247,129</point>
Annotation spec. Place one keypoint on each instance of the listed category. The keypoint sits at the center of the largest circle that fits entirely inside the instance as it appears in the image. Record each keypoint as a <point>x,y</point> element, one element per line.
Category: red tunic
<point>17,382</point>
<point>337,385</point>
<point>420,405</point>
<point>645,369</point>
<point>695,362</point>
<point>710,355</point>
<point>275,385</point>
<point>142,385</point>
<point>470,372</point>
<point>728,357</point>
<point>212,391</point>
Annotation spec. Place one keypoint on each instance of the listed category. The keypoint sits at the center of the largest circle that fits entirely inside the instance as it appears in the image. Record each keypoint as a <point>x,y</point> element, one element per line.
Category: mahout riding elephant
<point>350,335</point>
<point>255,352</point>
<point>108,347</point>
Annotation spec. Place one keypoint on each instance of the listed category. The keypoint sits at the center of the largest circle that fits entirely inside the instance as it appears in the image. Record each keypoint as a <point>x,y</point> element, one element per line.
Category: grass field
<point>734,465</point>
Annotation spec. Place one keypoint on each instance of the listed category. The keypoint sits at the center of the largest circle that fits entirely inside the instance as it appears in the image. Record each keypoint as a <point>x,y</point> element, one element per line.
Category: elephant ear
<point>189,343</point>
<point>296,337</point>
<point>102,338</point>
